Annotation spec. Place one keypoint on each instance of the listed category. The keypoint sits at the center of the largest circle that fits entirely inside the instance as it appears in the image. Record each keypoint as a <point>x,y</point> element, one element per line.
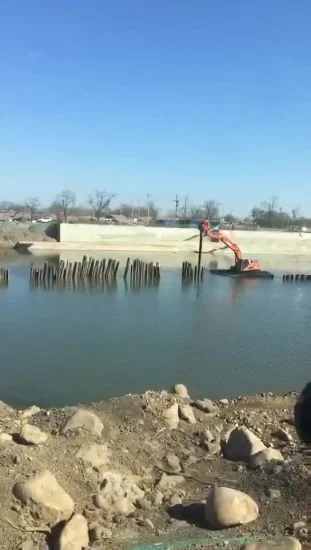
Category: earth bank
<point>150,469</point>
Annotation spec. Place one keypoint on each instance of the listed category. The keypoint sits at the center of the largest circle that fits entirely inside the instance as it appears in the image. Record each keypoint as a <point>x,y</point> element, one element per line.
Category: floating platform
<point>296,277</point>
<point>253,274</point>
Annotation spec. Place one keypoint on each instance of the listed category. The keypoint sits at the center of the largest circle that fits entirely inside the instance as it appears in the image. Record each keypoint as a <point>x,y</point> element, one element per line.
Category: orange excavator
<point>241,265</point>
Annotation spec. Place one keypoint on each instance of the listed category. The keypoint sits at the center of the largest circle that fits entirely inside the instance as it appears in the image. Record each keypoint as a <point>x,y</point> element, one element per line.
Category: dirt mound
<point>135,480</point>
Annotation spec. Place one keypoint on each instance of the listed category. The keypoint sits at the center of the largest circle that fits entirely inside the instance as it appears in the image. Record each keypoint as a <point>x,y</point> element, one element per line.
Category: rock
<point>31,435</point>
<point>100,533</point>
<point>45,497</point>
<point>284,543</point>
<point>225,433</point>
<point>158,498</point>
<point>27,545</point>
<point>74,535</point>
<point>31,411</point>
<point>267,455</point>
<point>144,504</point>
<point>118,495</point>
<point>205,405</point>
<point>299,525</point>
<point>148,523</point>
<point>283,435</point>
<point>83,419</point>
<point>96,455</point>
<point>173,462</point>
<point>224,401</point>
<point>274,494</point>
<point>171,416</point>
<point>181,391</point>
<point>206,437</point>
<point>5,437</point>
<point>213,448</point>
<point>186,413</point>
<point>167,482</point>
<point>242,444</point>
<point>227,508</point>
<point>175,500</point>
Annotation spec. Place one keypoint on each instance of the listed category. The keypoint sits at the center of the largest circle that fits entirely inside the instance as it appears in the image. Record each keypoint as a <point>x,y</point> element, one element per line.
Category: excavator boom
<point>240,264</point>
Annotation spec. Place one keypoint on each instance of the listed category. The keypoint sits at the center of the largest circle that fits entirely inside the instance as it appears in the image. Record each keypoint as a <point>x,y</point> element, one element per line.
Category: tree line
<point>268,214</point>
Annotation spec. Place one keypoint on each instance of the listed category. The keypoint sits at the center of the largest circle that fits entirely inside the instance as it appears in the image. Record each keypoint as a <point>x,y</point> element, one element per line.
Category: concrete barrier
<point>150,239</point>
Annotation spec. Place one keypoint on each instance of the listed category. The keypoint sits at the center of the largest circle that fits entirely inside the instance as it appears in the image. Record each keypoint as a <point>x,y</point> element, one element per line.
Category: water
<point>225,338</point>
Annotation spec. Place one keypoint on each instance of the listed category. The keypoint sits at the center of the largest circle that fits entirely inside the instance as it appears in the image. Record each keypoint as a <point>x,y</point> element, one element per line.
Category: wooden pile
<point>190,273</point>
<point>142,273</point>
<point>66,271</point>
<point>296,277</point>
<point>4,276</point>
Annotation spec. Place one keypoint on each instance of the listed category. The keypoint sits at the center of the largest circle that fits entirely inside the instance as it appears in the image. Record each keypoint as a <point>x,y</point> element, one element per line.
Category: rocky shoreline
<point>149,469</point>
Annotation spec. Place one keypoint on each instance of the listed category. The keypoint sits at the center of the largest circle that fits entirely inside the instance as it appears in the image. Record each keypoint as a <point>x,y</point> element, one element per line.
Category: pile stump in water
<point>4,276</point>
<point>190,273</point>
<point>296,277</point>
<point>65,272</point>
<point>142,273</point>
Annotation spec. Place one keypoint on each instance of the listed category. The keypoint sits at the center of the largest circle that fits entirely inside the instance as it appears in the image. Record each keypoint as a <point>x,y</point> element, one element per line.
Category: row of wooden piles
<point>90,269</point>
<point>296,277</point>
<point>191,274</point>
<point>4,276</point>
<point>142,273</point>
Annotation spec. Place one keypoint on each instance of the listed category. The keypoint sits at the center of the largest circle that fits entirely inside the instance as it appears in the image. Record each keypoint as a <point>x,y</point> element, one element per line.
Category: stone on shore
<point>242,444</point>
<point>265,456</point>
<point>205,405</point>
<point>181,391</point>
<point>283,543</point>
<point>186,413</point>
<point>45,497</point>
<point>31,411</point>
<point>118,495</point>
<point>227,507</point>
<point>167,482</point>
<point>96,455</point>
<point>74,535</point>
<point>31,435</point>
<point>171,416</point>
<point>173,462</point>
<point>83,419</point>
<point>283,435</point>
<point>5,437</point>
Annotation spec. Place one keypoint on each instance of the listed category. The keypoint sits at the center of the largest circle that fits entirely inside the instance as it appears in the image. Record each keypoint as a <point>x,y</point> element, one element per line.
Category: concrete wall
<point>252,243</point>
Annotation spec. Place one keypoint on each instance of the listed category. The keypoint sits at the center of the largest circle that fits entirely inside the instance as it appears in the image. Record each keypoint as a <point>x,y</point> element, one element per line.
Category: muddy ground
<point>138,442</point>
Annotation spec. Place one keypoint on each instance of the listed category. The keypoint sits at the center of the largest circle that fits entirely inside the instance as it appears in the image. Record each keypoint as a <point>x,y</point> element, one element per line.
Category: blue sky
<point>209,99</point>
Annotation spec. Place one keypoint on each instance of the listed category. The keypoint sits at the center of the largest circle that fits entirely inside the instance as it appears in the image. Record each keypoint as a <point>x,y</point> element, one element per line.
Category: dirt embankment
<point>10,235</point>
<point>151,469</point>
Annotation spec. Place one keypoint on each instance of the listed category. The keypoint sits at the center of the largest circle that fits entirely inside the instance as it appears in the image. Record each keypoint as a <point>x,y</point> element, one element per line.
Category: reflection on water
<point>63,345</point>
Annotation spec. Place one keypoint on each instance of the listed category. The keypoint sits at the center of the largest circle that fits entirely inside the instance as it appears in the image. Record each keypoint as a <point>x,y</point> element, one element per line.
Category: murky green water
<point>224,338</point>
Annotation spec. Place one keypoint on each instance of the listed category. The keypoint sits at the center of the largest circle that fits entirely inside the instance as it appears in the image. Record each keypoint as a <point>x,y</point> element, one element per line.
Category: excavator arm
<point>242,265</point>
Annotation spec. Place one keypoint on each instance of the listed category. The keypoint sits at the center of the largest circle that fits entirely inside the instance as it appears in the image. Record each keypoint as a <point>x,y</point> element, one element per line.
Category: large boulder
<point>186,413</point>
<point>96,455</point>
<point>205,405</point>
<point>31,411</point>
<point>74,536</point>
<point>83,419</point>
<point>265,456</point>
<point>242,444</point>
<point>181,391</point>
<point>227,507</point>
<point>45,497</point>
<point>31,435</point>
<point>283,543</point>
<point>171,416</point>
<point>118,495</point>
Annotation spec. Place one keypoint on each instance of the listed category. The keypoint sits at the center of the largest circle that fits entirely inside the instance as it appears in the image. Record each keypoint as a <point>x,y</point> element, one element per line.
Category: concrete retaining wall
<point>252,243</point>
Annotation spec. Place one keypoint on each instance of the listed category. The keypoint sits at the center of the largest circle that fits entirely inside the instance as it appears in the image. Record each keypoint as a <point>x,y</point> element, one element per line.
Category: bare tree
<point>65,200</point>
<point>211,209</point>
<point>99,201</point>
<point>32,203</point>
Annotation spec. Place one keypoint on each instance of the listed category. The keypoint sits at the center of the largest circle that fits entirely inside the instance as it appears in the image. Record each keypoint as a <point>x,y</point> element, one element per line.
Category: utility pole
<point>185,206</point>
<point>148,208</point>
<point>176,201</point>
